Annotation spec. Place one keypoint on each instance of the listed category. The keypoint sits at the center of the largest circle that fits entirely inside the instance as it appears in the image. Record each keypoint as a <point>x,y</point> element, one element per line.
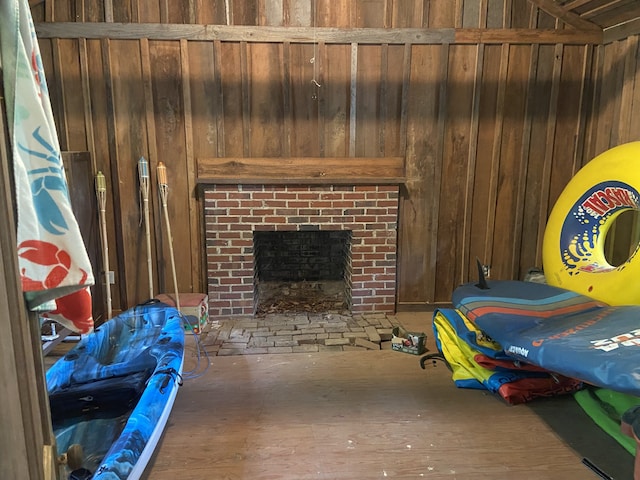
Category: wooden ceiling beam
<point>372,36</point>
<point>562,13</point>
<point>521,36</point>
<point>622,31</point>
<point>575,4</point>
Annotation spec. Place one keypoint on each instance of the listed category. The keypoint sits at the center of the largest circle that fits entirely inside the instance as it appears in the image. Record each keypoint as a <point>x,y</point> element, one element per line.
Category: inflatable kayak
<point>559,330</point>
<point>111,395</point>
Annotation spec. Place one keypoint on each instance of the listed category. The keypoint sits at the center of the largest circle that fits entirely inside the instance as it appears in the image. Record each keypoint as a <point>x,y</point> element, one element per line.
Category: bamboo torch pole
<point>101,194</point>
<point>163,187</point>
<point>143,175</point>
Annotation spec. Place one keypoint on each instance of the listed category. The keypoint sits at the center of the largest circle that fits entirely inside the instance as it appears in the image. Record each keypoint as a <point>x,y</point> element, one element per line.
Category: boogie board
<point>111,395</point>
<point>558,330</point>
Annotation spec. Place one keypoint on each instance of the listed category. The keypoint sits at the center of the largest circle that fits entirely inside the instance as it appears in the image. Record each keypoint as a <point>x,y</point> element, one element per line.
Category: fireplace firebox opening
<point>302,271</point>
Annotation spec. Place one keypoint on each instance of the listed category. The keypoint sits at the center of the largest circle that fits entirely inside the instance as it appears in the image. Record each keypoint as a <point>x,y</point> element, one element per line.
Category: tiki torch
<point>163,187</point>
<point>143,175</point>
<point>101,194</point>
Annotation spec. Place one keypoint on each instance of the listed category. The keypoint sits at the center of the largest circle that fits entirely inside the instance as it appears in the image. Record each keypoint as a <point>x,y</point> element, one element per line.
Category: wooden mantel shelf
<point>302,170</point>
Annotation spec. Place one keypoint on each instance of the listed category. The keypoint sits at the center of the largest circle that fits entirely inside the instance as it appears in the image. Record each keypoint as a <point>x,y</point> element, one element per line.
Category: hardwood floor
<point>357,415</point>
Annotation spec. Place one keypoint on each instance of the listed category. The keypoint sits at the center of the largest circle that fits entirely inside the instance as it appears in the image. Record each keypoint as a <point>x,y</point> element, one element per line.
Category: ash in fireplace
<point>308,297</point>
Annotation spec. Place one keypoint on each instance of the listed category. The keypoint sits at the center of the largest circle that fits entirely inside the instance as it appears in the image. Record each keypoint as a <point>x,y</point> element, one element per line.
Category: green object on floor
<point>605,407</point>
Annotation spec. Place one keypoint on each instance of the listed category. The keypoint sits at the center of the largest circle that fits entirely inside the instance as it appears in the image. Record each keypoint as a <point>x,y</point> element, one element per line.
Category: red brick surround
<point>233,212</point>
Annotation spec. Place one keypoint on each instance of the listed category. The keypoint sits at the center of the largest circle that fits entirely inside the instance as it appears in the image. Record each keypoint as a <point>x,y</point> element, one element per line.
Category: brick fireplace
<point>233,213</point>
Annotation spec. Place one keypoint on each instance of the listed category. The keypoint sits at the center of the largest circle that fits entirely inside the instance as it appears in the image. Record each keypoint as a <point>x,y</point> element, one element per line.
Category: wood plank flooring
<point>358,415</point>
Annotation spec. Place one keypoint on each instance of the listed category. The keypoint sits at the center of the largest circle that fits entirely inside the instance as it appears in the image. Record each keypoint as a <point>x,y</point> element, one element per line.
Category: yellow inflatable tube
<point>573,247</point>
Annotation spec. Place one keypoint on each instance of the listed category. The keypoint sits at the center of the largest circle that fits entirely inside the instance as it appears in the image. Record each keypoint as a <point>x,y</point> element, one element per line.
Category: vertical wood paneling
<point>586,94</point>
<point>592,123</point>
<point>521,12</point>
<point>470,14</point>
<point>319,66</point>
<point>266,127</point>
<point>233,106</point>
<point>193,230</point>
<point>491,133</point>
<point>537,112</point>
<point>435,169</point>
<point>521,178</point>
<point>219,96</point>
<point>455,169</point>
<point>417,229</point>
<point>101,120</point>
<point>406,14</point>
<point>246,99</point>
<point>569,121</point>
<point>624,133</point>
<point>150,152</point>
<point>75,134</point>
<point>496,148</point>
<point>442,14</point>
<point>633,132</point>
<point>611,81</point>
<point>285,72</point>
<point>392,99</point>
<point>299,13</point>
<point>128,241</point>
<point>87,107</point>
<point>271,13</point>
<point>511,148</point>
<point>465,257</point>
<point>335,95</point>
<point>27,441</point>
<point>58,74</point>
<point>243,12</point>
<point>618,79</point>
<point>368,72</point>
<point>335,13</point>
<point>495,14</point>
<point>383,94</point>
<point>301,118</point>
<point>371,13</point>
<point>205,99</point>
<point>487,124</point>
<point>353,99</point>
<point>125,12</point>
<point>546,202</point>
<point>210,12</point>
<point>178,12</point>
<point>170,120</point>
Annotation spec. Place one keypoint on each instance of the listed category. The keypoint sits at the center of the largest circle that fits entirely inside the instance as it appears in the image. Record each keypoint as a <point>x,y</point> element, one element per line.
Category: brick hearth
<point>234,212</point>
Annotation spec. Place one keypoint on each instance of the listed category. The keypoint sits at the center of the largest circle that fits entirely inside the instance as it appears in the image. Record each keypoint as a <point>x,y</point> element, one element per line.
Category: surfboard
<point>111,395</point>
<point>559,330</point>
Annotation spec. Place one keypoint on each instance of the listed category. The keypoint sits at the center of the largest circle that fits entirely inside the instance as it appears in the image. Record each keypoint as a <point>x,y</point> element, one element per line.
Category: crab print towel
<point>54,266</point>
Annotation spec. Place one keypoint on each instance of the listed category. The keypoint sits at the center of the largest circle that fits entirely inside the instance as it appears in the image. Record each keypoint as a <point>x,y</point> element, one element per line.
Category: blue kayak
<point>559,330</point>
<point>111,395</point>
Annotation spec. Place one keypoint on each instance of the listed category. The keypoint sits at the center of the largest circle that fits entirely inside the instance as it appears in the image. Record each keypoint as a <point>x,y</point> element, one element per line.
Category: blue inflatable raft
<point>559,330</point>
<point>111,395</point>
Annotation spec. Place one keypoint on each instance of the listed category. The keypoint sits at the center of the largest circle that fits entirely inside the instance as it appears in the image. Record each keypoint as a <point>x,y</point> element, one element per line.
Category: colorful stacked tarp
<point>476,361</point>
<point>559,330</point>
<point>54,266</point>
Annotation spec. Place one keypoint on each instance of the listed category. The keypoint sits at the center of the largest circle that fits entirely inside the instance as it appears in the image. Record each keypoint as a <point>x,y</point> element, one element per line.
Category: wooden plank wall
<point>491,132</point>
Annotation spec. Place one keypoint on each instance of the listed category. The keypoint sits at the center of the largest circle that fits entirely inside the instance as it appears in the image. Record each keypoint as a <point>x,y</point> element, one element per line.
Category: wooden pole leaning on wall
<point>143,176</point>
<point>163,188</point>
<point>101,194</point>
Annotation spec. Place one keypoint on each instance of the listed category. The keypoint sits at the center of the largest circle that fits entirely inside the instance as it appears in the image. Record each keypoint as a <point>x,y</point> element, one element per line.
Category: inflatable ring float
<point>573,246</point>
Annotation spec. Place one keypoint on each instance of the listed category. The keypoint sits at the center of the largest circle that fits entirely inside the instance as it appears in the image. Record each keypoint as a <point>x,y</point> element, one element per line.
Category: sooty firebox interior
<point>302,271</point>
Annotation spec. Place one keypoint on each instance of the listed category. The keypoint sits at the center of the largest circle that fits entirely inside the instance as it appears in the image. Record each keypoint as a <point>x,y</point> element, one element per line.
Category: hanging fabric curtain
<point>54,266</point>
